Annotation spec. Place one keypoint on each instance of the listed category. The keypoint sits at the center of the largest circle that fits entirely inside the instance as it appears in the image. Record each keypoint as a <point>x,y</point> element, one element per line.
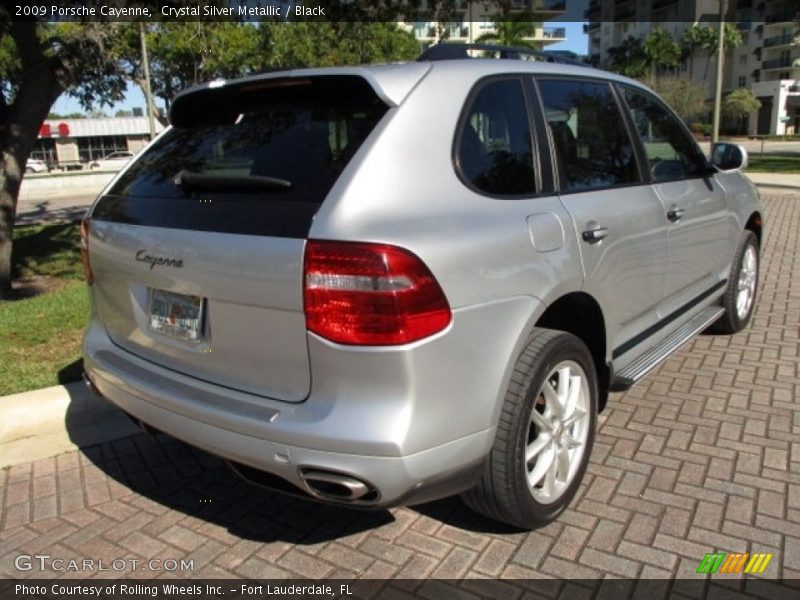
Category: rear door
<point>618,220</point>
<point>197,249</point>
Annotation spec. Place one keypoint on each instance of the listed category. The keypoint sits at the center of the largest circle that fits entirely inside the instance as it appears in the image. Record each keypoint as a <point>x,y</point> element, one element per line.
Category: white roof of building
<point>104,126</point>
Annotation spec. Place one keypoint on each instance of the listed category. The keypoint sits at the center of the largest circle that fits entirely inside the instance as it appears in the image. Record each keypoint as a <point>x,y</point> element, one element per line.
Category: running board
<point>655,356</point>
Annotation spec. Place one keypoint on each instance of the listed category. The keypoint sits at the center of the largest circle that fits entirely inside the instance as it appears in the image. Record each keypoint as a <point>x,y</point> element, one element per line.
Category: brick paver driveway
<point>702,456</point>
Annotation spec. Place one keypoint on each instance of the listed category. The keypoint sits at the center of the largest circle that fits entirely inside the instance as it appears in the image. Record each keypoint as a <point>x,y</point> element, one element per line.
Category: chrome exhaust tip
<point>337,487</point>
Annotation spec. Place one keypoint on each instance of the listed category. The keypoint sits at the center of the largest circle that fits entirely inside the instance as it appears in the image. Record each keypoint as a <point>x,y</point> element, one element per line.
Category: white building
<point>471,19</point>
<point>75,142</point>
<point>767,62</point>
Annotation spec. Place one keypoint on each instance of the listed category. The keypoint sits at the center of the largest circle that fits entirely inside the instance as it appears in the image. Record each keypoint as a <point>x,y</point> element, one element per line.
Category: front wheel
<point>740,295</point>
<point>544,436</point>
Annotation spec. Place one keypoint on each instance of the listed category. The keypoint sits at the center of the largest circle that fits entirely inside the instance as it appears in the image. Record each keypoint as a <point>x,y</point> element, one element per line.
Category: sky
<point>576,41</point>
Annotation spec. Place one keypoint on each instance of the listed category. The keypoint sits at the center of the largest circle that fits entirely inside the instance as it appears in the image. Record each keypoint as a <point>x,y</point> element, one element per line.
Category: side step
<point>655,356</point>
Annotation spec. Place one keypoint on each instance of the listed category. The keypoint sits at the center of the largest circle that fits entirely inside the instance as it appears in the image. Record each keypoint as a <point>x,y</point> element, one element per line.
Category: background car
<point>34,165</point>
<point>115,160</point>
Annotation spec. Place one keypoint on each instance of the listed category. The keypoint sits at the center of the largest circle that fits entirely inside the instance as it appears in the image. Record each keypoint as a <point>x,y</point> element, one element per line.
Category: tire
<point>739,298</point>
<point>530,492</point>
<point>28,170</point>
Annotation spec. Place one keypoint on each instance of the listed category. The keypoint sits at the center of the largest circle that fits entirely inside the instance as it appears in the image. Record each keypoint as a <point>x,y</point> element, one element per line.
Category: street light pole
<point>720,62</point>
<point>148,94</point>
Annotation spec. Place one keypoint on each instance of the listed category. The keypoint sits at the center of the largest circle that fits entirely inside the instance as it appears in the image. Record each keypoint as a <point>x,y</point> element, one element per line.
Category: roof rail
<point>458,51</point>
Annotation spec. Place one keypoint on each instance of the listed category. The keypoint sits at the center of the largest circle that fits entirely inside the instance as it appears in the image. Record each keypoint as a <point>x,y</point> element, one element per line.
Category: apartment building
<point>471,19</point>
<point>767,62</point>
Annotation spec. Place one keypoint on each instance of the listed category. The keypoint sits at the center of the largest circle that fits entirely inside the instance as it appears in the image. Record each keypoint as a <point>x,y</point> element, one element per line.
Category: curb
<point>44,423</point>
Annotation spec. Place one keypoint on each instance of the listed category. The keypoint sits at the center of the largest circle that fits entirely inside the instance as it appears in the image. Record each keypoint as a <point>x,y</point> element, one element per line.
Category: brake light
<point>87,267</point>
<point>370,294</point>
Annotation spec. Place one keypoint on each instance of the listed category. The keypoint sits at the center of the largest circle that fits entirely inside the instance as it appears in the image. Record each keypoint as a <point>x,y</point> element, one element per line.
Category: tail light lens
<point>87,267</point>
<point>370,294</point>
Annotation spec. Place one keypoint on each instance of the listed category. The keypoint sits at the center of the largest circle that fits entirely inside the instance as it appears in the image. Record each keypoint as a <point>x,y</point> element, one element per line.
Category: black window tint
<point>671,152</point>
<point>494,151</point>
<point>304,133</point>
<point>254,158</point>
<point>591,143</point>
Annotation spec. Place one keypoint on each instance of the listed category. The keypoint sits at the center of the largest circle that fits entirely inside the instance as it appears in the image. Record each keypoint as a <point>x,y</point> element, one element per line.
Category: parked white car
<point>34,165</point>
<point>115,160</point>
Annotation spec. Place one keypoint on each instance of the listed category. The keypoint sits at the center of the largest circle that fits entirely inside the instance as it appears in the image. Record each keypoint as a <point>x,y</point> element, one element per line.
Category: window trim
<point>558,187</point>
<point>463,121</point>
<point>707,170</point>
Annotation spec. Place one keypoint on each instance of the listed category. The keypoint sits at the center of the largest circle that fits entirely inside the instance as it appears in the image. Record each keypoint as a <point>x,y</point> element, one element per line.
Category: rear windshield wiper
<point>231,183</point>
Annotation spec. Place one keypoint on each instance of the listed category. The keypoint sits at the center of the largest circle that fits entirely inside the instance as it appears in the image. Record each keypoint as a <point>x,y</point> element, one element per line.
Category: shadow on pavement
<point>188,480</point>
<point>183,478</point>
<point>45,213</point>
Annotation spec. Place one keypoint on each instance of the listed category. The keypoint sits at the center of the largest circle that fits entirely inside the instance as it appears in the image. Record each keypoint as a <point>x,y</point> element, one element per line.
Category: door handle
<point>595,235</point>
<point>675,214</point>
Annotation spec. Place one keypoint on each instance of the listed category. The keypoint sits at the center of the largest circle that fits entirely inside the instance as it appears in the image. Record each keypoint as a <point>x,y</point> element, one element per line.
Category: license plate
<point>176,315</point>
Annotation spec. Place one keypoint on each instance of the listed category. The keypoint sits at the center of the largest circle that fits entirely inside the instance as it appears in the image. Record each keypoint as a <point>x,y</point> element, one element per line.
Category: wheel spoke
<point>535,447</point>
<point>541,423</point>
<point>563,462</point>
<point>570,442</point>
<point>572,396</point>
<point>550,398</point>
<point>549,484</point>
<point>543,464</point>
<point>576,416</point>
<point>564,377</point>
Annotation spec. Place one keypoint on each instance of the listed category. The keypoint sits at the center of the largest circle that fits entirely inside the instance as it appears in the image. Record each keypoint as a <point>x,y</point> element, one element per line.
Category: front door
<point>696,206</point>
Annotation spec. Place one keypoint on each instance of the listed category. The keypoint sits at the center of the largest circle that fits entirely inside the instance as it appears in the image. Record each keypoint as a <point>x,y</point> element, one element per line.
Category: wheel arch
<point>755,224</point>
<point>579,313</point>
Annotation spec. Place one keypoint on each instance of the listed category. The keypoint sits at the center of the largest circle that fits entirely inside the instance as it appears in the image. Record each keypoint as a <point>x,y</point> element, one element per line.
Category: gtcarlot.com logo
<point>45,562</point>
<point>734,563</point>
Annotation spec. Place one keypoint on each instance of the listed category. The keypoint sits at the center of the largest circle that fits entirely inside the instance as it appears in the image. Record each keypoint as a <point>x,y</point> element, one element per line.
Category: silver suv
<point>389,284</point>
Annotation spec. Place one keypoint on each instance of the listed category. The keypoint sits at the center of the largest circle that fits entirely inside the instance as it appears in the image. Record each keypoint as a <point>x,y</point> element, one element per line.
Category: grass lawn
<point>774,164</point>
<point>41,331</point>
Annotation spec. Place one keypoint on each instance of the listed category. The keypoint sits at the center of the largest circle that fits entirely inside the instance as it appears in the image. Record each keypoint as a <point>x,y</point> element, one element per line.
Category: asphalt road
<point>70,208</point>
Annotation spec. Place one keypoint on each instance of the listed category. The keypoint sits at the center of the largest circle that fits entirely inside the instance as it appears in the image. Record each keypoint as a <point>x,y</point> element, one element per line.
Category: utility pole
<point>148,94</point>
<point>720,61</point>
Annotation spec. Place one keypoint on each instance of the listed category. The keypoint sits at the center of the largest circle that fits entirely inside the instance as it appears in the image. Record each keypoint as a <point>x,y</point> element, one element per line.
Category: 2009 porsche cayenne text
<point>387,284</point>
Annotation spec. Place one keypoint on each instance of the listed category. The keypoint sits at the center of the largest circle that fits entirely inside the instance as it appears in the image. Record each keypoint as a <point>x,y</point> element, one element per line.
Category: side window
<point>494,151</point>
<point>592,146</point>
<point>671,152</point>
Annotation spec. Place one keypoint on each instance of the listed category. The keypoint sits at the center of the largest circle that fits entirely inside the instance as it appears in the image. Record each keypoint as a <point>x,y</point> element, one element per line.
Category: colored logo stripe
<point>734,563</point>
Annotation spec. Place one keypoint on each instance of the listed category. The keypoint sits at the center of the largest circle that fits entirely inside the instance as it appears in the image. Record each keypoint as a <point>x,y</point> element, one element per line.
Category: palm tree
<point>739,104</point>
<point>629,58</point>
<point>691,41</point>
<point>731,38</point>
<point>511,30</point>
<point>661,51</point>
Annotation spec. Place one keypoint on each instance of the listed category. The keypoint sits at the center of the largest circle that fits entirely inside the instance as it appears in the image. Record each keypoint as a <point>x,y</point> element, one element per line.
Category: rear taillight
<point>370,294</point>
<point>87,267</point>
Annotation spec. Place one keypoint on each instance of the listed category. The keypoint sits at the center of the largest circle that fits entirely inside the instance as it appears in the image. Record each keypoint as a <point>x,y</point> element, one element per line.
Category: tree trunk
<point>19,123</point>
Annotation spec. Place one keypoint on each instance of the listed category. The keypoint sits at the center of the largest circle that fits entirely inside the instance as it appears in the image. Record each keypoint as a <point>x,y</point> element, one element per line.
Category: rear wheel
<point>545,434</point>
<point>740,296</point>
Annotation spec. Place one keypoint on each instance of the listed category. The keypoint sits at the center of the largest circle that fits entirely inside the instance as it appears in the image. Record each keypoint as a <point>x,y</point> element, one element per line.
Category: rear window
<point>268,150</point>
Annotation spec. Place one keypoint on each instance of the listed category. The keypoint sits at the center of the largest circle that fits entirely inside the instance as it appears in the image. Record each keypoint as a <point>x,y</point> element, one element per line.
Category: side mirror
<point>729,157</point>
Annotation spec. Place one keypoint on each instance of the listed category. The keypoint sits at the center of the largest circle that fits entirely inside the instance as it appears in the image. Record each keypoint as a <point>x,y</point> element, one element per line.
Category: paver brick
<point>494,558</point>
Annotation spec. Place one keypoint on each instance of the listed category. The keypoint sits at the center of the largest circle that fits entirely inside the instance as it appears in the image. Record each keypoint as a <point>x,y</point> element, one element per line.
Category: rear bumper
<point>414,422</point>
<point>265,435</point>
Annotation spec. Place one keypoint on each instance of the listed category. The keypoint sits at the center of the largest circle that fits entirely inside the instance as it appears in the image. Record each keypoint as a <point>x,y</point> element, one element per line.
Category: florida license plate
<point>176,315</point>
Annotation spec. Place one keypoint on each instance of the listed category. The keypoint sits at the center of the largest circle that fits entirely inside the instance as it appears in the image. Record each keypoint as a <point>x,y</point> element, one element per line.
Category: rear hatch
<point>197,249</point>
